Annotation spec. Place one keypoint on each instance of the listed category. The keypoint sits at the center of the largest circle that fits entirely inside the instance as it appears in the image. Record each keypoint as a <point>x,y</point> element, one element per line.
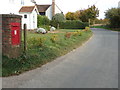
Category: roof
<point>43,8</point>
<point>27,9</point>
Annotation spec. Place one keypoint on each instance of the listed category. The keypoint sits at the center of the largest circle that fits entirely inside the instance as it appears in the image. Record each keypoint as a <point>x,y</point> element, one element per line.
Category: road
<point>93,65</point>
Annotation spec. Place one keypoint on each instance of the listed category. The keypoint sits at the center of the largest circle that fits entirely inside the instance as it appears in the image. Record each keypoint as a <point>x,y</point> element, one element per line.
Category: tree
<point>90,13</point>
<point>59,17</point>
<point>113,15</point>
<point>70,16</point>
<point>77,15</point>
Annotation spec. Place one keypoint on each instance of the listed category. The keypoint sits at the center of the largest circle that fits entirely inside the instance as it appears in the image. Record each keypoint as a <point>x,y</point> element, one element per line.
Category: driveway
<point>93,65</point>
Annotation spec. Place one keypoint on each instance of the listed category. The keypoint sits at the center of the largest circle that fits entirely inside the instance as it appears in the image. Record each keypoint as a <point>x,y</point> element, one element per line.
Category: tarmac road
<point>93,65</point>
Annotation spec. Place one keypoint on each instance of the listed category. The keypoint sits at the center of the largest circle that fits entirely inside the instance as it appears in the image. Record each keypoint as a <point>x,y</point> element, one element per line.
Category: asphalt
<point>93,65</point>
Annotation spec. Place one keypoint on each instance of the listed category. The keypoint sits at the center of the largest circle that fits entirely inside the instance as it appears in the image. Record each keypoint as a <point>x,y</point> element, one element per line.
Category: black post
<point>25,41</point>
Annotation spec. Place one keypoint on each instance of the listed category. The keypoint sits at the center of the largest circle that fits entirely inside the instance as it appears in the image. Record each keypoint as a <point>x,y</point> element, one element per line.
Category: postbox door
<point>15,33</point>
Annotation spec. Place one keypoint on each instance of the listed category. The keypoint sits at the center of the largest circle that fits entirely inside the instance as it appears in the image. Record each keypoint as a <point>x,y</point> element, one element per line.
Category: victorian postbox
<point>11,35</point>
<point>15,33</point>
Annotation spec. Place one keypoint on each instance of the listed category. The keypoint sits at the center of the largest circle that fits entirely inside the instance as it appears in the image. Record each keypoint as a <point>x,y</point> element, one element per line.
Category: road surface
<point>93,65</point>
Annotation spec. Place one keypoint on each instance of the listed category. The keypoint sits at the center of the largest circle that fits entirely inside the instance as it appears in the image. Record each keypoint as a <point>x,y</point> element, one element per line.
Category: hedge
<point>70,24</point>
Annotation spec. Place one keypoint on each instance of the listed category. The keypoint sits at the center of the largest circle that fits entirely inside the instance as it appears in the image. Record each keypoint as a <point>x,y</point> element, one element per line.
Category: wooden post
<point>25,41</point>
<point>58,26</point>
<point>89,22</point>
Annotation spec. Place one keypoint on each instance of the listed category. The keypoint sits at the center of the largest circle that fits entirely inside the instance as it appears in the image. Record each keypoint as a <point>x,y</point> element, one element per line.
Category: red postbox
<point>15,33</point>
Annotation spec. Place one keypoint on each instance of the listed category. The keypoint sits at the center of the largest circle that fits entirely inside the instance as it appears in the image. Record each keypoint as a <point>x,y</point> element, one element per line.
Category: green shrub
<point>42,20</point>
<point>73,24</point>
<point>70,24</point>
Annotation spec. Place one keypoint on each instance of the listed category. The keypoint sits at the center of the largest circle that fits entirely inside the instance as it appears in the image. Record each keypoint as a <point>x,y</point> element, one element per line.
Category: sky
<point>74,5</point>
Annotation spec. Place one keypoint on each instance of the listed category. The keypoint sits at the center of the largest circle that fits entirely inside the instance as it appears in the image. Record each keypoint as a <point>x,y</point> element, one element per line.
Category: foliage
<point>70,16</point>
<point>73,24</point>
<point>42,20</point>
<point>90,13</point>
<point>102,21</point>
<point>113,15</point>
<point>59,17</point>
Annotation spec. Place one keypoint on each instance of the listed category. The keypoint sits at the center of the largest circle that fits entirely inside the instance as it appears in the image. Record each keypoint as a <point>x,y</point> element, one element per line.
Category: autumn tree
<point>77,15</point>
<point>90,13</point>
<point>70,16</point>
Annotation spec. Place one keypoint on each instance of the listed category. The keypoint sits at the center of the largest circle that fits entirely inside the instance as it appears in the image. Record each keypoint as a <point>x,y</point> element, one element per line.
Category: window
<point>42,13</point>
<point>25,16</point>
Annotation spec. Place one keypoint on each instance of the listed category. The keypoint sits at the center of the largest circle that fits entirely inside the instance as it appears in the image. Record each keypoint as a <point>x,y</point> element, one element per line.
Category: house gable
<point>26,9</point>
<point>43,8</point>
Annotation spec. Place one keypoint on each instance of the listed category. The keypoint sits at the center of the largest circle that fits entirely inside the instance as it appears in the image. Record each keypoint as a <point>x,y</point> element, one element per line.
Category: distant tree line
<point>84,15</point>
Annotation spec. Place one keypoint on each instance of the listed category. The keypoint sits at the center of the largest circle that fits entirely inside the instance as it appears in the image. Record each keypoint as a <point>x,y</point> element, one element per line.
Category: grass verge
<point>44,48</point>
<point>106,27</point>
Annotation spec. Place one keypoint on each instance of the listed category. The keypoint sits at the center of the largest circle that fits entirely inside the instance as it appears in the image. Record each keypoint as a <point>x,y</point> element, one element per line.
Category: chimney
<point>53,7</point>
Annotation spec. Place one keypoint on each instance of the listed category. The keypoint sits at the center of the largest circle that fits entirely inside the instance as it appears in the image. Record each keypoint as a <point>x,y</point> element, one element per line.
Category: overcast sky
<point>74,5</point>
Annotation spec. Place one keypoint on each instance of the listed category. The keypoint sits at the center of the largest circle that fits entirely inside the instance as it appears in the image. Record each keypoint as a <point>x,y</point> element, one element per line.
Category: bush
<point>42,20</point>
<point>70,24</point>
<point>73,24</point>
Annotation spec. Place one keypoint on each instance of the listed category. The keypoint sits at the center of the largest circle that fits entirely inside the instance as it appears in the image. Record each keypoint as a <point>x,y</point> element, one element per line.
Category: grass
<point>43,51</point>
<point>106,27</point>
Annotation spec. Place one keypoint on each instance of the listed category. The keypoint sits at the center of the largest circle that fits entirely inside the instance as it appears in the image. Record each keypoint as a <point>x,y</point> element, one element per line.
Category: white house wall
<point>30,21</point>
<point>57,10</point>
<point>26,20</point>
<point>33,17</point>
<point>49,13</point>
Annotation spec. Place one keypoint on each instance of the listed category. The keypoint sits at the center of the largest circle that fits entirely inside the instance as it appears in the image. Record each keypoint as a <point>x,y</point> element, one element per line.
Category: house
<point>29,10</point>
<point>26,8</point>
<point>49,10</point>
<point>29,14</point>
